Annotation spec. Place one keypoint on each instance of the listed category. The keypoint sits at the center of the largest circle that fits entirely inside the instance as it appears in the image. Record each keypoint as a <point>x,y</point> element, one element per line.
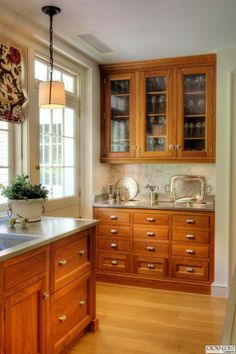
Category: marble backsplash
<point>156,174</point>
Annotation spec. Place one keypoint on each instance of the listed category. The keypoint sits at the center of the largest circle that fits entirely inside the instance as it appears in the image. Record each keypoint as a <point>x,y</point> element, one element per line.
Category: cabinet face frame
<point>168,152</point>
<point>107,116</point>
<point>209,114</point>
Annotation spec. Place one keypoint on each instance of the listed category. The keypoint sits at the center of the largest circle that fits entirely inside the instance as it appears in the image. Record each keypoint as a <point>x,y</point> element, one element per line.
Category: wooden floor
<point>149,321</point>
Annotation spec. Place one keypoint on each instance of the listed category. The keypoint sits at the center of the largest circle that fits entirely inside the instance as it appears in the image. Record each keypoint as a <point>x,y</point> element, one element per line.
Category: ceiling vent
<point>95,43</point>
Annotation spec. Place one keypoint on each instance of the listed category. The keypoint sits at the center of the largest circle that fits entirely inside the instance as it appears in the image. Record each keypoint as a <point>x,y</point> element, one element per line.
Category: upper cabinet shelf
<point>161,110</point>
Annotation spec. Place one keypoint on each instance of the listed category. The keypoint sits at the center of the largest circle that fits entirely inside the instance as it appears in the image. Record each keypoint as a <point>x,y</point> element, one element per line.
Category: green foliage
<point>22,188</point>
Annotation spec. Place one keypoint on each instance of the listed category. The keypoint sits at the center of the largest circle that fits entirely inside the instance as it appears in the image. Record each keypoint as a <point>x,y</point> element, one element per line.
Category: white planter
<point>32,209</point>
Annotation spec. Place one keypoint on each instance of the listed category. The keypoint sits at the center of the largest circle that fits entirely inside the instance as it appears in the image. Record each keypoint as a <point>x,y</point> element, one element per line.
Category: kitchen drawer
<point>190,236</point>
<point>113,262</point>
<point>151,219</point>
<point>191,221</point>
<point>20,269</point>
<point>69,260</point>
<point>188,269</point>
<point>154,249</point>
<point>114,245</point>
<point>156,267</point>
<point>110,230</point>
<point>69,309</point>
<point>114,216</point>
<point>151,233</point>
<point>187,250</point>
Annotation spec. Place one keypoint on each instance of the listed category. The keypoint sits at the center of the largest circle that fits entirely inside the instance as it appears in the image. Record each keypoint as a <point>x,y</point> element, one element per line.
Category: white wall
<point>225,196</point>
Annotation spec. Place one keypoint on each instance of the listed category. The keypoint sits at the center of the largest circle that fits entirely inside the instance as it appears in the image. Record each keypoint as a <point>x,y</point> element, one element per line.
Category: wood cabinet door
<point>119,111</point>
<point>156,124</point>
<point>26,320</point>
<point>195,115</point>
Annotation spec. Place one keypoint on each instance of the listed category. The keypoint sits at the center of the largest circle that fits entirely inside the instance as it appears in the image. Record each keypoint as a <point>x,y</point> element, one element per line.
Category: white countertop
<point>48,230</point>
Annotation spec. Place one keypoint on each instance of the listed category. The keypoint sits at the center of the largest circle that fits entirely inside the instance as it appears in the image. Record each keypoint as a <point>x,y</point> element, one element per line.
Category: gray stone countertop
<point>43,232</point>
<point>162,205</point>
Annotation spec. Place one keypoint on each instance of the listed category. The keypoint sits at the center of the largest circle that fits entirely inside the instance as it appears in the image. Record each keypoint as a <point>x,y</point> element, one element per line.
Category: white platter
<point>128,188</point>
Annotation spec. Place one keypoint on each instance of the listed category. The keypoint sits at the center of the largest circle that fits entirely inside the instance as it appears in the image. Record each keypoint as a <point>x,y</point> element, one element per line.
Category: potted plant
<point>25,200</point>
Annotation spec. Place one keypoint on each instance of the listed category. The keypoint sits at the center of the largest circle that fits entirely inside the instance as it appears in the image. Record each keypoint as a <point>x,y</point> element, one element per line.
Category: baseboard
<point>219,290</point>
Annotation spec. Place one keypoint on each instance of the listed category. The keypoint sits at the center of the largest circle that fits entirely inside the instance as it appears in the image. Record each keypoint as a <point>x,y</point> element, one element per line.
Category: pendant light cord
<point>51,57</point>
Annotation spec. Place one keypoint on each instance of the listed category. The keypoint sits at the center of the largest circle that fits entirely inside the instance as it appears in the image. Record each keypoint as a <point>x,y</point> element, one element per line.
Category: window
<point>6,158</point>
<point>58,148</point>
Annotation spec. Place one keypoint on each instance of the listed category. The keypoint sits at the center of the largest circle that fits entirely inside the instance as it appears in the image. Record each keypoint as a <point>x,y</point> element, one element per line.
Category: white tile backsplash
<point>157,174</point>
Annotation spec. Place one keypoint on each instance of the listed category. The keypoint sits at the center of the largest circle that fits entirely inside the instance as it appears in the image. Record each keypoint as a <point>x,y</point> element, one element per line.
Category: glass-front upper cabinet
<point>195,115</point>
<point>155,114</point>
<point>119,111</point>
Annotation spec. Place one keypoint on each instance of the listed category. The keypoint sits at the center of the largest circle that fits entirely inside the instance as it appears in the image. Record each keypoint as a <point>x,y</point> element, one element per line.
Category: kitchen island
<point>47,285</point>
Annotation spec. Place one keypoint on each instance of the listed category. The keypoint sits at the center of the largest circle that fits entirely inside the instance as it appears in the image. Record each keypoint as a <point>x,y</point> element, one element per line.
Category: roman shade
<point>12,97</point>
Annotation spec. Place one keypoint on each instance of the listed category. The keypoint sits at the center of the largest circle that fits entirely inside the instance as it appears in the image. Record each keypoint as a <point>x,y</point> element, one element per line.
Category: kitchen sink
<point>12,240</point>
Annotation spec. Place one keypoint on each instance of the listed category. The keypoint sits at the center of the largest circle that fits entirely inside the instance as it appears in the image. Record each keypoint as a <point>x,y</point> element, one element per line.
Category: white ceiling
<point>139,29</point>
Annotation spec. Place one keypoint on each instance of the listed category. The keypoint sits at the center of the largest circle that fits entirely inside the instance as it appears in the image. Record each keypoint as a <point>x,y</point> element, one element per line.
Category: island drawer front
<point>154,249</point>
<point>114,216</point>
<point>187,250</point>
<point>191,221</point>
<point>151,219</point>
<point>156,267</point>
<point>69,308</point>
<point>113,262</point>
<point>114,245</point>
<point>110,230</point>
<point>23,269</point>
<point>191,236</point>
<point>151,233</point>
<point>189,269</point>
<point>69,259</point>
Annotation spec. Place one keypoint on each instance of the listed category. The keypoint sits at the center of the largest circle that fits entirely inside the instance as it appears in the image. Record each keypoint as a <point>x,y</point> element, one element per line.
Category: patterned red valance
<point>11,94</point>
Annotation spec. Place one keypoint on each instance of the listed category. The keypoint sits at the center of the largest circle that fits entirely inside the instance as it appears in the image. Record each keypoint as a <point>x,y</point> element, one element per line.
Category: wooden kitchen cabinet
<point>159,110</point>
<point>156,248</point>
<point>48,296</point>
<point>26,303</point>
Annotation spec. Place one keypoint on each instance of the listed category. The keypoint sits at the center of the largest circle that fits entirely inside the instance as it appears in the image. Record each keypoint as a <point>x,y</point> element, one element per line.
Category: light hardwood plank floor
<point>149,321</point>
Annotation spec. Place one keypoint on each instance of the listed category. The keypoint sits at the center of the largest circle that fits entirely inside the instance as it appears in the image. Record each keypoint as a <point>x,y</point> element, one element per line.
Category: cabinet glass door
<point>120,115</point>
<point>194,113</point>
<point>118,112</point>
<point>155,114</point>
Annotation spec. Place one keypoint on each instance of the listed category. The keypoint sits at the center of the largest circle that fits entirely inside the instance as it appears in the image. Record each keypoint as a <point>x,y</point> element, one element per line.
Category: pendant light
<point>51,93</point>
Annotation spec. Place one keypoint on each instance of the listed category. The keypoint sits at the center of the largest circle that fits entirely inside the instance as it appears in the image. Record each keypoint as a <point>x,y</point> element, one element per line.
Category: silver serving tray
<point>184,189</point>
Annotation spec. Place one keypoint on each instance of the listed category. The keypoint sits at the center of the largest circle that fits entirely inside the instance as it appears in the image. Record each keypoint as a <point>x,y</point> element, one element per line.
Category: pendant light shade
<point>58,97</point>
<point>51,93</point>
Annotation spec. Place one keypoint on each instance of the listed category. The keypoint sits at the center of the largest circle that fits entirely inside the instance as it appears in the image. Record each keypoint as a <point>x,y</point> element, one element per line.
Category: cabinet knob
<point>46,295</point>
<point>113,231</point>
<point>82,252</point>
<point>190,221</point>
<point>190,270</point>
<point>171,147</point>
<point>62,318</point>
<point>151,219</point>
<point>151,266</point>
<point>150,234</point>
<point>62,262</point>
<point>150,248</point>
<point>190,237</point>
<point>190,251</point>
<point>113,245</point>
<point>178,147</point>
<point>82,302</point>
<point>114,262</point>
<point>113,217</point>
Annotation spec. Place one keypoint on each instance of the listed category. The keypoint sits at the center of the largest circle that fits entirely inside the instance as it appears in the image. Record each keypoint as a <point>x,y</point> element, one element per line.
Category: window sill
<point>61,203</point>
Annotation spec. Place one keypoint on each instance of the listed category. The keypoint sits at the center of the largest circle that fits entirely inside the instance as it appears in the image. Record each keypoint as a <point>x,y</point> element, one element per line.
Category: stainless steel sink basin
<point>12,240</point>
